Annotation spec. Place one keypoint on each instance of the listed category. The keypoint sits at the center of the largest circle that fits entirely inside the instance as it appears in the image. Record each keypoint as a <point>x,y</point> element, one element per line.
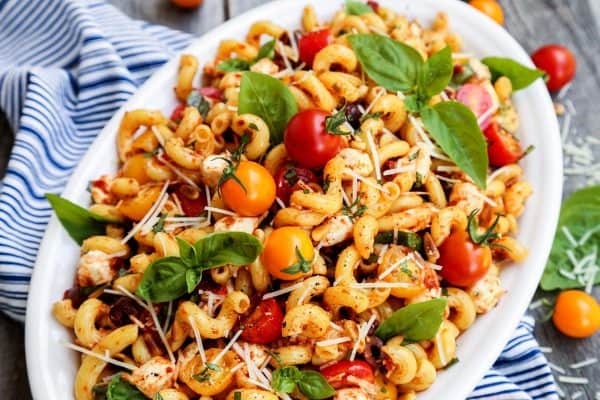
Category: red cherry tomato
<point>263,326</point>
<point>177,113</point>
<point>287,180</point>
<point>212,93</point>
<point>558,62</point>
<point>192,202</point>
<point>478,99</point>
<point>307,142</point>
<point>463,262</point>
<point>374,5</point>
<point>503,148</point>
<point>311,43</point>
<point>337,374</point>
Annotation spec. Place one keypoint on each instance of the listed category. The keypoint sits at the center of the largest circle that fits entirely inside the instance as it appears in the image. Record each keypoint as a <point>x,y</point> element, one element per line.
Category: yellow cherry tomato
<point>576,314</point>
<point>187,3</point>
<point>288,253</point>
<point>490,8</point>
<point>249,190</point>
<point>137,207</point>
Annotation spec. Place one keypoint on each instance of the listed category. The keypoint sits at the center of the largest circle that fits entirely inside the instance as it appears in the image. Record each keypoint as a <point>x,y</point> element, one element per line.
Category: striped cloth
<point>65,67</point>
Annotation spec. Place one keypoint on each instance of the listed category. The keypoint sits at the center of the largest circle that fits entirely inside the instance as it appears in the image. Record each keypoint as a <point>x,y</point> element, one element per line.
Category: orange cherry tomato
<point>187,3</point>
<point>257,193</point>
<point>576,314</point>
<point>490,8</point>
<point>288,253</point>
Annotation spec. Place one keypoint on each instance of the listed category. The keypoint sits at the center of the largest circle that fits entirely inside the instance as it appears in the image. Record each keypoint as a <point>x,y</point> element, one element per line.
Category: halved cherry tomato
<point>263,326</point>
<point>212,92</point>
<point>490,8</point>
<point>256,193</point>
<point>307,142</point>
<point>478,99</point>
<point>576,314</point>
<point>503,148</point>
<point>311,43</point>
<point>337,374</point>
<point>187,3</point>
<point>287,178</point>
<point>288,253</point>
<point>558,62</point>
<point>463,262</point>
<point>192,202</point>
<point>177,113</point>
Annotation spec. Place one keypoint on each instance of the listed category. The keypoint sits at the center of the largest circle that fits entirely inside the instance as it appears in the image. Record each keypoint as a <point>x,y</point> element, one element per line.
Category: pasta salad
<point>322,216</point>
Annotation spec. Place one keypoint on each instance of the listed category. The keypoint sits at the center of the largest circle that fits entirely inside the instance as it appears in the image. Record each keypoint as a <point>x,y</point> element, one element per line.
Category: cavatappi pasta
<point>377,228</point>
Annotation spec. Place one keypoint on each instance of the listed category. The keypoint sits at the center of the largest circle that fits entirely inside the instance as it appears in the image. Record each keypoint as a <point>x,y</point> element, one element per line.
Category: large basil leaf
<point>285,378</point>
<point>314,386</point>
<point>519,75</point>
<point>418,321</point>
<point>391,64</point>
<point>119,389</point>
<point>233,65</point>
<point>437,72</point>
<point>164,280</point>
<point>79,223</point>
<point>217,249</point>
<point>454,127</point>
<point>268,98</point>
<point>580,216</point>
<point>356,7</point>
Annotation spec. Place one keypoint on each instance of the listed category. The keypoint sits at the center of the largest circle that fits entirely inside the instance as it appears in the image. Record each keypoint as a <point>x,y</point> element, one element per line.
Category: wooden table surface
<point>574,23</point>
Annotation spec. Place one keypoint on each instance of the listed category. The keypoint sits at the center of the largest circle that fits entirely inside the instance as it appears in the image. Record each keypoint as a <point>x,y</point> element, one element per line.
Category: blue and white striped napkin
<point>65,67</point>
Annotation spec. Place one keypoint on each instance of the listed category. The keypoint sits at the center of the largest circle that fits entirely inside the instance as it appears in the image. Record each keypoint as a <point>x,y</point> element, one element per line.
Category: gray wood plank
<point>574,24</point>
<point>196,21</point>
<point>237,7</point>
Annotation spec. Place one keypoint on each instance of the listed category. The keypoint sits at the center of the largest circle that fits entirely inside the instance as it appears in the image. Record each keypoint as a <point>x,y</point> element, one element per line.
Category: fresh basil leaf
<point>454,127</point>
<point>579,217</point>
<point>192,279</point>
<point>437,72</point>
<point>160,224</point>
<point>267,50</point>
<point>187,252</point>
<point>79,223</point>
<point>195,99</point>
<point>285,378</point>
<point>268,98</point>
<point>418,321</point>
<point>233,65</point>
<point>218,249</point>
<point>237,396</point>
<point>355,7</point>
<point>465,72</point>
<point>391,64</point>
<point>519,75</point>
<point>414,103</point>
<point>164,280</point>
<point>313,385</point>
<point>118,389</point>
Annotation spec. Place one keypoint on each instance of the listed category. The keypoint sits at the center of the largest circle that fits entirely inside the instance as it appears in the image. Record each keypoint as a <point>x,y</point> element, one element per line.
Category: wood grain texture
<point>574,23</point>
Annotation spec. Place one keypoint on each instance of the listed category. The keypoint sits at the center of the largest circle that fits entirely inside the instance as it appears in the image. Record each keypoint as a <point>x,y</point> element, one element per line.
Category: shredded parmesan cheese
<point>331,342</point>
<point>575,380</point>
<point>362,334</point>
<point>282,291</point>
<point>220,211</point>
<point>226,348</point>
<point>104,357</point>
<point>198,339</point>
<point>584,363</point>
<point>178,172</point>
<point>366,181</point>
<point>155,209</point>
<point>160,332</point>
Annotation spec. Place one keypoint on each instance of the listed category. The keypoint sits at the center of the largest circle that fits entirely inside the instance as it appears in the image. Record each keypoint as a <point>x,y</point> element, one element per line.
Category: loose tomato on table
<point>247,188</point>
<point>503,148</point>
<point>192,201</point>
<point>558,62</point>
<point>576,314</point>
<point>463,262</point>
<point>478,99</point>
<point>288,253</point>
<point>263,325</point>
<point>490,8</point>
<point>187,3</point>
<point>337,374</point>
<point>311,43</point>
<point>307,141</point>
<point>288,177</point>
